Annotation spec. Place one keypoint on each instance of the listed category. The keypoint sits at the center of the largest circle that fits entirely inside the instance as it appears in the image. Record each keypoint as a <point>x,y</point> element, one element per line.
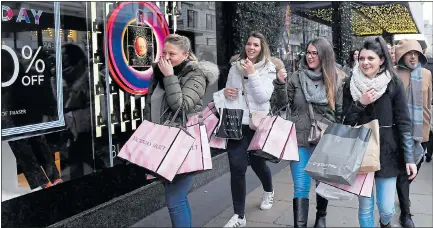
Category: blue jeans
<point>301,179</point>
<point>176,196</point>
<point>385,191</point>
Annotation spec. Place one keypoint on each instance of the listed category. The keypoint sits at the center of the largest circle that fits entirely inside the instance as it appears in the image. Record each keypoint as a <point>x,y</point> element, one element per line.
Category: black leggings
<point>239,159</point>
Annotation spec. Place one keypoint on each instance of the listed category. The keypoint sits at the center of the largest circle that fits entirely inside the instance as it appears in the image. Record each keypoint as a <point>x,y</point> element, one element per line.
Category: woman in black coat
<point>374,92</point>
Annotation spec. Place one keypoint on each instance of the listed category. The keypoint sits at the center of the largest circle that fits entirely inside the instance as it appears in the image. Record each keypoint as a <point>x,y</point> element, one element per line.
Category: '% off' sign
<point>38,64</point>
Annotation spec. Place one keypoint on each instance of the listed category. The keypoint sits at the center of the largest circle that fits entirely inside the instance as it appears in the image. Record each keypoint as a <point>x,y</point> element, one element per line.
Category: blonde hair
<point>183,43</point>
<point>265,53</point>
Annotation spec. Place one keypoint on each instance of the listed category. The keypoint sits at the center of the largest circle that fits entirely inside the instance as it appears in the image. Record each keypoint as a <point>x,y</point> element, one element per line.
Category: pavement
<point>340,213</point>
<point>212,207</point>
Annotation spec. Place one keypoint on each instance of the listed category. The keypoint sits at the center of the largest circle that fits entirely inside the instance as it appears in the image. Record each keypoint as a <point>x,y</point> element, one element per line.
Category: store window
<point>47,112</point>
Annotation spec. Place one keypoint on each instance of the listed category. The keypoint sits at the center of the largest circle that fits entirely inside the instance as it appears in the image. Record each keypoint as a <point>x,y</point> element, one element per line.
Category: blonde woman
<point>179,80</point>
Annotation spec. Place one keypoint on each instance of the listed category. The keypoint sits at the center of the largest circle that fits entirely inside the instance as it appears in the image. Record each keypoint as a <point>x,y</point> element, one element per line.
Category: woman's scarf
<point>313,86</point>
<point>360,83</point>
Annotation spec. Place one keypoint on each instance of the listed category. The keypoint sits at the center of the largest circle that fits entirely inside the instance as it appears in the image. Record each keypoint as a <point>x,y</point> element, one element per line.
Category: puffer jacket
<point>404,46</point>
<point>185,89</point>
<point>291,94</point>
<point>258,88</point>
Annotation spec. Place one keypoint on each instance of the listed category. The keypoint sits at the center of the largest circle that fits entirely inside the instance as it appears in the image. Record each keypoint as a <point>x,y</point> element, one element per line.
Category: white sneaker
<point>235,221</point>
<point>267,201</point>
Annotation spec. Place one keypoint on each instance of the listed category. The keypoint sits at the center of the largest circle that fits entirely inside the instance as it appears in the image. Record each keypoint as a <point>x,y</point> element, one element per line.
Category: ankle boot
<point>322,204</point>
<point>385,226</point>
<point>406,220</point>
<point>300,212</point>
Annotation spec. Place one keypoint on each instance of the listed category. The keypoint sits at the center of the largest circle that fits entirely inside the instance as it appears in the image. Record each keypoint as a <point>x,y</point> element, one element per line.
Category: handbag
<point>330,192</point>
<point>255,117</point>
<point>338,155</point>
<point>317,127</point>
<point>160,149</point>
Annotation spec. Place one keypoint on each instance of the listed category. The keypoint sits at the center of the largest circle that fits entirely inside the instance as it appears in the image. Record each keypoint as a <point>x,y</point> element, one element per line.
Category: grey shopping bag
<point>339,154</point>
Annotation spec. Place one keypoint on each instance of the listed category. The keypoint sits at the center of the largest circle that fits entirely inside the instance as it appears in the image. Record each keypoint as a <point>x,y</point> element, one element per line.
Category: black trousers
<point>32,154</point>
<point>403,187</point>
<point>239,159</point>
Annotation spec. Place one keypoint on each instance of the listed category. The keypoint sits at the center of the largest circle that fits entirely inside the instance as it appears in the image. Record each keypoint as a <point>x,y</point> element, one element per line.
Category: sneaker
<point>267,201</point>
<point>235,221</point>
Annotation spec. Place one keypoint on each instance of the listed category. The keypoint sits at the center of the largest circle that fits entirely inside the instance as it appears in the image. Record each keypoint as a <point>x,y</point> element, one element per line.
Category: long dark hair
<point>265,53</point>
<point>350,61</point>
<point>326,56</point>
<point>379,46</point>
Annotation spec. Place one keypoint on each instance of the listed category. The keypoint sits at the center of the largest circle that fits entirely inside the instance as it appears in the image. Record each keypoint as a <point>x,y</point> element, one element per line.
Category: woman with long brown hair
<point>317,82</point>
<point>254,69</point>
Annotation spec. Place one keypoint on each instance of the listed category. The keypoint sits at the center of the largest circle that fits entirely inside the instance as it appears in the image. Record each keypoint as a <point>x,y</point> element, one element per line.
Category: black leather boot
<point>406,220</point>
<point>322,204</point>
<point>385,226</point>
<point>300,211</point>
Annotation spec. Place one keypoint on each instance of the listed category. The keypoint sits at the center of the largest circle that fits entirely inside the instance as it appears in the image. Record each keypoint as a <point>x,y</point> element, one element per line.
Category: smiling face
<point>174,54</point>
<point>369,62</point>
<point>312,57</point>
<point>253,48</point>
<point>411,59</point>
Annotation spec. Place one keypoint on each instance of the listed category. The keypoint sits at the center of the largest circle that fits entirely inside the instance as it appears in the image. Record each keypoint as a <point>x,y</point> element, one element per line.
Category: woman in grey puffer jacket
<point>179,80</point>
<point>319,82</point>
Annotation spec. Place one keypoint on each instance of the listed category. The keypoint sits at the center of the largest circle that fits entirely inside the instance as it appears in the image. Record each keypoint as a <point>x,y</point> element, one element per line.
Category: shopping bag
<point>199,158</point>
<point>275,140</point>
<point>218,143</point>
<point>161,149</point>
<point>332,193</point>
<point>339,153</point>
<point>371,160</point>
<point>363,185</point>
<point>230,124</point>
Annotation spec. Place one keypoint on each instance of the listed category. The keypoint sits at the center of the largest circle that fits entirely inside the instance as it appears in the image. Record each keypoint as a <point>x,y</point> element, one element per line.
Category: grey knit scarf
<point>313,86</point>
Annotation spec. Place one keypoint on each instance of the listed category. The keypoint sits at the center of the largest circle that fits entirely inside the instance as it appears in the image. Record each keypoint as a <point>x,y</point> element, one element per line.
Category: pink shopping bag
<point>158,148</point>
<point>363,185</point>
<point>211,122</point>
<point>275,140</point>
<point>199,157</point>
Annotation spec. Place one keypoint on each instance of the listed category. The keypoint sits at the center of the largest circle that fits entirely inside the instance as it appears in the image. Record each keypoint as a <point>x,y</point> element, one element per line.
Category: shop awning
<point>368,18</point>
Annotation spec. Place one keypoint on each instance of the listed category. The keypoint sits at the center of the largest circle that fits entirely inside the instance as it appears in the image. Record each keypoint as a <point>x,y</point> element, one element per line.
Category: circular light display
<point>136,33</point>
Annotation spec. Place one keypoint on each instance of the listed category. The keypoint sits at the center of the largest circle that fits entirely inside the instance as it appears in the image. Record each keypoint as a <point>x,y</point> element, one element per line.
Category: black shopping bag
<point>230,124</point>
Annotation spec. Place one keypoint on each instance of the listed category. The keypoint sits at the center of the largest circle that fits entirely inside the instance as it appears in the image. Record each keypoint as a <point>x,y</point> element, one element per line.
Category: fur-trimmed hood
<point>210,70</point>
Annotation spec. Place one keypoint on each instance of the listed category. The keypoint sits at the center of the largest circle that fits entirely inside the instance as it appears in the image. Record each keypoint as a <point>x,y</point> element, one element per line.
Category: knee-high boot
<point>300,211</point>
<point>322,204</point>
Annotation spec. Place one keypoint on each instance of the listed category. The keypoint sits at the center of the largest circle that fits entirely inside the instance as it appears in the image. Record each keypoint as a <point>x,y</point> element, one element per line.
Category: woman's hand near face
<point>368,97</point>
<point>248,67</point>
<point>231,93</point>
<point>165,67</point>
<point>282,76</point>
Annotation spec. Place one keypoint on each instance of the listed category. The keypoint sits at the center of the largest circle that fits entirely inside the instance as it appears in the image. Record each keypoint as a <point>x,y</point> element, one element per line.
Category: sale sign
<point>31,78</point>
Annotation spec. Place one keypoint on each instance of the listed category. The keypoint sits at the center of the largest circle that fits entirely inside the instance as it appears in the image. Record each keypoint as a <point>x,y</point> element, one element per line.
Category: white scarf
<point>361,83</point>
